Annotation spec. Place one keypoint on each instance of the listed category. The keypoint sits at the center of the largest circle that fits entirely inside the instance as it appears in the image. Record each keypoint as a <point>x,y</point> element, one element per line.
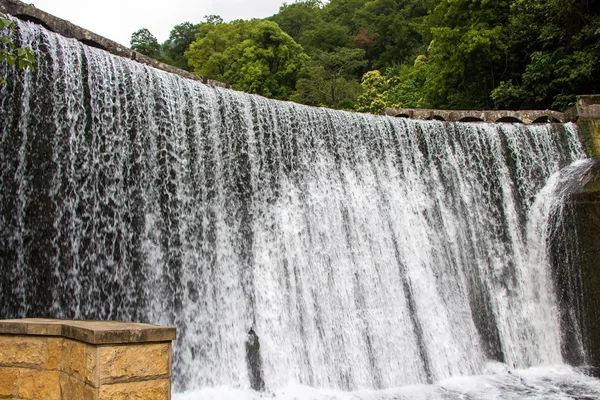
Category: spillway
<point>373,257</point>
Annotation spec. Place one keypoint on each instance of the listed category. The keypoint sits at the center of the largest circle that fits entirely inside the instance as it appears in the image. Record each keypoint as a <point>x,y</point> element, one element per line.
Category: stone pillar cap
<point>92,332</point>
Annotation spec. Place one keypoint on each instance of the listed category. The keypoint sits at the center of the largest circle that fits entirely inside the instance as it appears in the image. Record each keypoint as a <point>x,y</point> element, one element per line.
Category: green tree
<point>343,12</point>
<point>205,27</point>
<point>407,87</point>
<point>326,37</point>
<point>21,57</point>
<point>389,31</point>
<point>180,38</point>
<point>297,18</point>
<point>216,50</point>
<point>143,41</point>
<point>330,78</point>
<point>374,94</point>
<point>253,56</point>
<point>467,53</point>
<point>431,53</point>
<point>304,22</point>
<point>213,19</point>
<point>404,89</point>
<point>555,48</point>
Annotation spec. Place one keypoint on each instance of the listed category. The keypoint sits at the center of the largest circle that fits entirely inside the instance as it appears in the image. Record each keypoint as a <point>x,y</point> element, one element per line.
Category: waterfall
<point>366,252</point>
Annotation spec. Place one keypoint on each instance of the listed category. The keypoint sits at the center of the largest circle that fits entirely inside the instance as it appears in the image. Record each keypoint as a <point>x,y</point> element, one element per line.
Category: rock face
<point>254,361</point>
<point>41,360</point>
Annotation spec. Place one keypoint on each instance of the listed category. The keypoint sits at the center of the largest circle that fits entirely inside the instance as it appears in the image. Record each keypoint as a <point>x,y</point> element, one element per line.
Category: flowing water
<point>374,257</point>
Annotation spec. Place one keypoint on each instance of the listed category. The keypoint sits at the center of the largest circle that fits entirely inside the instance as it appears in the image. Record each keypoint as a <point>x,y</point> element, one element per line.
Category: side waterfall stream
<point>375,258</point>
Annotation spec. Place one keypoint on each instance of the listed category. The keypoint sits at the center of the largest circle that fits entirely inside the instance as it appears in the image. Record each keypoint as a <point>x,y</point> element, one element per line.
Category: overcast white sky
<point>118,19</point>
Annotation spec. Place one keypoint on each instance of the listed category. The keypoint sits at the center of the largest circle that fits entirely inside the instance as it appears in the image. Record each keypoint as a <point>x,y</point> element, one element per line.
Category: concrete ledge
<point>28,12</point>
<point>79,360</point>
<point>91,332</point>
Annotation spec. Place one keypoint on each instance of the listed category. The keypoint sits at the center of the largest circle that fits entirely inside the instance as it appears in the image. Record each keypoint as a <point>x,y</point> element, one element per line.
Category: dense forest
<point>366,55</point>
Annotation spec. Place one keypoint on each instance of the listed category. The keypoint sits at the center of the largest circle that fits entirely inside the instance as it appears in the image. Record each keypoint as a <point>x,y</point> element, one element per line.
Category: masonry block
<point>148,390</point>
<point>43,359</point>
<point>122,363</point>
<point>72,388</point>
<point>9,382</point>
<point>80,361</point>
<point>22,351</point>
<point>38,385</point>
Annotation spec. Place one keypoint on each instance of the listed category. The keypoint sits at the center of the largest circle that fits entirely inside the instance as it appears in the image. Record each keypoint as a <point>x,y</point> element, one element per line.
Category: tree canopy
<point>329,78</point>
<point>253,56</point>
<point>370,54</point>
<point>559,42</point>
<point>145,42</point>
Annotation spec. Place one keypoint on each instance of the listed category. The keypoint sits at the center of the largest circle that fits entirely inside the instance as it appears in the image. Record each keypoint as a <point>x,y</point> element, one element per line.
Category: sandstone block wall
<point>114,361</point>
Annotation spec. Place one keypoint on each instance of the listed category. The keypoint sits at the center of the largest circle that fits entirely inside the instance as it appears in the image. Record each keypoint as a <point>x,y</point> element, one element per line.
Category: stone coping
<point>511,116</point>
<point>91,332</point>
<point>588,99</point>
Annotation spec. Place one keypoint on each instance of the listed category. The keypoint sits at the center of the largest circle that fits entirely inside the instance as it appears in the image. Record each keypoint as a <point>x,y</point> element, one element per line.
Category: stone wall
<point>587,109</point>
<point>519,116</point>
<point>587,219</point>
<point>588,119</point>
<point>84,360</point>
<point>589,132</point>
<point>587,222</point>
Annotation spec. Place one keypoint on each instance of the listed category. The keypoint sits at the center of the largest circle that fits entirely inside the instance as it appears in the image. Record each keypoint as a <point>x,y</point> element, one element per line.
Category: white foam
<point>558,382</point>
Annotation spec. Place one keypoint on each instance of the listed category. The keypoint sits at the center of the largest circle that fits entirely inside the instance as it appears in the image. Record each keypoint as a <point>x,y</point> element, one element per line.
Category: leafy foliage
<point>253,56</point>
<point>143,41</point>
<point>298,18</point>
<point>329,79</point>
<point>402,90</point>
<point>20,57</point>
<point>466,53</point>
<point>180,38</point>
<point>561,51</point>
<point>374,97</point>
<point>455,54</point>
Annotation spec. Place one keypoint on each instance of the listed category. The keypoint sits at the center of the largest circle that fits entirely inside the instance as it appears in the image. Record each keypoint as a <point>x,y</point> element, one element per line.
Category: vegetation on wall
<point>366,55</point>
<point>10,53</point>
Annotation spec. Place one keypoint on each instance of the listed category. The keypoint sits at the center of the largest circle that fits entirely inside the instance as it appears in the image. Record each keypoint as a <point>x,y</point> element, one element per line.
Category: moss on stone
<point>587,219</point>
<point>593,184</point>
<point>589,131</point>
